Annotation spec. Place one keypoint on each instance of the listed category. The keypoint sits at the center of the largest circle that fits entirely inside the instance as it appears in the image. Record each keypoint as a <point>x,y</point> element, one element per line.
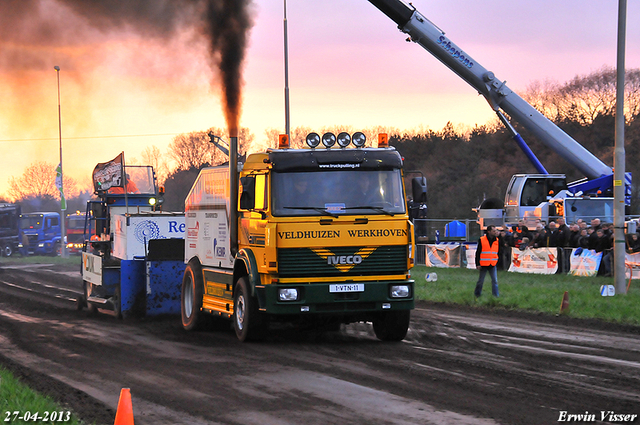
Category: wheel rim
<point>188,299</point>
<point>240,310</point>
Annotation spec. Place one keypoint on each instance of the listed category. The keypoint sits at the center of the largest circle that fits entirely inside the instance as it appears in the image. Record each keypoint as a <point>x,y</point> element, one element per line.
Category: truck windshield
<point>31,222</point>
<point>140,179</point>
<point>352,192</point>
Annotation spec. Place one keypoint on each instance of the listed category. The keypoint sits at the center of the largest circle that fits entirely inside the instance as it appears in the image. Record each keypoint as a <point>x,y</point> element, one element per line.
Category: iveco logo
<point>344,259</point>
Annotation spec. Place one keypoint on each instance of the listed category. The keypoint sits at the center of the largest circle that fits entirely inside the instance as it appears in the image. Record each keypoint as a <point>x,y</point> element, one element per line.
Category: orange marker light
<point>283,141</point>
<point>383,140</point>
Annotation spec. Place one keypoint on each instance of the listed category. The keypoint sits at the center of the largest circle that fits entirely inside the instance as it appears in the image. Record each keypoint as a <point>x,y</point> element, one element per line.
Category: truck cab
<point>41,234</point>
<point>323,237</point>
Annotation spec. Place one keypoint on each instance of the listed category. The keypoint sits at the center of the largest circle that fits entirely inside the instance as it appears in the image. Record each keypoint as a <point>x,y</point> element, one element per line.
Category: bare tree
<point>195,150</point>
<point>151,155</point>
<point>585,97</point>
<point>38,180</point>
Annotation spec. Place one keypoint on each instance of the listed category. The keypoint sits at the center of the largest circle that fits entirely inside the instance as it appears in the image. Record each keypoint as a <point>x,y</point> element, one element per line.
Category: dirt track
<point>456,366</point>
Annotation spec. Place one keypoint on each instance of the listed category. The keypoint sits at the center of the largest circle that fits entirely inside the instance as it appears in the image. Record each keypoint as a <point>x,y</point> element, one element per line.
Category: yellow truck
<point>318,235</point>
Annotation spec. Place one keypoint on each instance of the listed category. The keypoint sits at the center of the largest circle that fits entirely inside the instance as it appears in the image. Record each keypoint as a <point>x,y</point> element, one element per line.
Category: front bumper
<point>317,298</point>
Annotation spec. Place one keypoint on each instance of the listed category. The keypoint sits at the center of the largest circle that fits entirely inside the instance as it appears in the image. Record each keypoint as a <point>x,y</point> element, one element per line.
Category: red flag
<point>109,174</point>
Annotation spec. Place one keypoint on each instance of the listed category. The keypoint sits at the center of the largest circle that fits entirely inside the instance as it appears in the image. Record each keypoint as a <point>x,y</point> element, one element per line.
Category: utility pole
<point>63,202</point>
<point>619,158</point>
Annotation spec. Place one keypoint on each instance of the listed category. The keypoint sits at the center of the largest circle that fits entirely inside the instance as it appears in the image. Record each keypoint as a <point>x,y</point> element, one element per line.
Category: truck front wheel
<point>247,320</point>
<point>191,297</point>
<point>392,325</point>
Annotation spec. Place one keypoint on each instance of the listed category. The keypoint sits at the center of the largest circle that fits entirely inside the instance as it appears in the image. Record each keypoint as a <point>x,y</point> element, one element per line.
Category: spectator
<point>573,236</point>
<point>633,243</point>
<point>539,237</point>
<point>583,240</point>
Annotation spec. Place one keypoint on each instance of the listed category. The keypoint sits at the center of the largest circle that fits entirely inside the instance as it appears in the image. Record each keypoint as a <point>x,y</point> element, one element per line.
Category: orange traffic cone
<point>124,414</point>
<point>564,307</point>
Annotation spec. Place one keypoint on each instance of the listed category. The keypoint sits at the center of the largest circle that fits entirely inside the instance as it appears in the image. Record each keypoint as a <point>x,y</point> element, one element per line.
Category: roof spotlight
<point>359,139</point>
<point>328,139</point>
<point>313,140</point>
<point>344,139</point>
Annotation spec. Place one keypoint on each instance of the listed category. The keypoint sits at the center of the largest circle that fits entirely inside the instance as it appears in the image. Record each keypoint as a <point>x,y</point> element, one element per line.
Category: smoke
<point>34,32</point>
<point>228,24</point>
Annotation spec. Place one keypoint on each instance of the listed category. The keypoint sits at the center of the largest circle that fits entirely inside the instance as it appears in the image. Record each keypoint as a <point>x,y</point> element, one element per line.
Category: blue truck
<point>40,233</point>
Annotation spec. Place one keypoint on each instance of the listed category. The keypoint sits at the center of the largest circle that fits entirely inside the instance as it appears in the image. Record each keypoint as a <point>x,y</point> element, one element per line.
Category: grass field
<point>20,405</point>
<point>532,292</point>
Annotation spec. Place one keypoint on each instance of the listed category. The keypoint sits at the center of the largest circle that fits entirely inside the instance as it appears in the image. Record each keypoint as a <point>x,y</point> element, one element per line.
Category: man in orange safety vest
<point>486,260</point>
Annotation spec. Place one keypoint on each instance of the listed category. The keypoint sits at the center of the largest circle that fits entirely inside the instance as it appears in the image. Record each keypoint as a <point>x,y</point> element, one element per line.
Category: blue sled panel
<point>132,280</point>
<point>164,284</point>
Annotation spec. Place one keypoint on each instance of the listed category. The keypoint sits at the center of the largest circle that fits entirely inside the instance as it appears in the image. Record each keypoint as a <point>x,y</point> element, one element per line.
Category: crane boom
<point>499,96</point>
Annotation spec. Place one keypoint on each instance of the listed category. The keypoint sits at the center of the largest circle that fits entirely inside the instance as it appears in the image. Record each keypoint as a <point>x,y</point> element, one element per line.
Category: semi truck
<point>40,233</point>
<point>9,229</point>
<point>317,236</point>
<point>541,195</point>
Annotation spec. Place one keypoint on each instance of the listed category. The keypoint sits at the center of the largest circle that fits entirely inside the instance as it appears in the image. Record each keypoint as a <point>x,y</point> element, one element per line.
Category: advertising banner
<point>132,233</point>
<point>585,262</point>
<point>443,255</point>
<point>534,260</point>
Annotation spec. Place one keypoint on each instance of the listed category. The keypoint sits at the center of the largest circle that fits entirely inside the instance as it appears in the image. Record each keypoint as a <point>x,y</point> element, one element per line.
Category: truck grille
<point>342,261</point>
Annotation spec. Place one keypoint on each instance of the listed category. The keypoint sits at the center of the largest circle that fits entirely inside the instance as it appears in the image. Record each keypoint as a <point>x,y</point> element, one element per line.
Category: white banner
<point>443,255</point>
<point>534,260</point>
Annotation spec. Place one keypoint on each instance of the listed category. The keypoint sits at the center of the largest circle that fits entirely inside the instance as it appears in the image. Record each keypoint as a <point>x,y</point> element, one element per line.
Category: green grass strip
<point>20,405</point>
<point>532,292</point>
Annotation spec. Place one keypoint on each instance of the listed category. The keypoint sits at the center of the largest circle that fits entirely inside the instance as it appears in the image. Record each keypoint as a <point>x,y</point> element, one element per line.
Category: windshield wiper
<point>318,209</point>
<point>369,207</point>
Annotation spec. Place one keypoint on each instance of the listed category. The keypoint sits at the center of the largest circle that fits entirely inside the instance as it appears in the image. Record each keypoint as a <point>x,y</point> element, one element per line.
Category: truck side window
<point>54,221</point>
<point>261,193</point>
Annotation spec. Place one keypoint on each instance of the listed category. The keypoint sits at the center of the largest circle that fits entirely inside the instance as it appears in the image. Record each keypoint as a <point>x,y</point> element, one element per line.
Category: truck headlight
<point>400,291</point>
<point>288,294</point>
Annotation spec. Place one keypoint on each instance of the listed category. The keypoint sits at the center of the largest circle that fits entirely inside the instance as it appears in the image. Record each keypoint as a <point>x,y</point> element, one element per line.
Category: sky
<point>126,87</point>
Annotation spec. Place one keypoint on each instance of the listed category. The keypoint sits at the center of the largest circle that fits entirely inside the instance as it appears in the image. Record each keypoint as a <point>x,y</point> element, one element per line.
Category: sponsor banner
<point>443,255</point>
<point>92,268</point>
<point>305,235</point>
<point>632,266</point>
<point>585,262</point>
<point>133,233</point>
<point>534,260</point>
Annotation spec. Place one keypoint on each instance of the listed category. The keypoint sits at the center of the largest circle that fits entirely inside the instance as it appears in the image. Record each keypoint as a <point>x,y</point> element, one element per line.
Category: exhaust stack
<point>233,194</point>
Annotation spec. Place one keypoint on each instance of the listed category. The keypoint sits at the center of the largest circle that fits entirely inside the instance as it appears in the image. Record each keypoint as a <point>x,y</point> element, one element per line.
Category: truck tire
<point>191,297</point>
<point>392,325</point>
<point>117,303</point>
<point>248,323</point>
<point>7,251</point>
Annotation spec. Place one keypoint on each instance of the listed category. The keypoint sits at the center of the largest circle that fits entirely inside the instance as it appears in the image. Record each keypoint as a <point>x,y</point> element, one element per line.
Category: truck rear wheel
<point>191,297</point>
<point>392,325</point>
<point>247,320</point>
<point>8,250</point>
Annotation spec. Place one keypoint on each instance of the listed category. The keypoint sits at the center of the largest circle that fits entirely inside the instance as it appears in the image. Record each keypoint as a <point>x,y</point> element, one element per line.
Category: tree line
<point>463,166</point>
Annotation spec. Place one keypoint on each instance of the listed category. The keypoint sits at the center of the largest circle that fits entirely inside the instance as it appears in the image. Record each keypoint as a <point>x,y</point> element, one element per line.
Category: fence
<point>531,260</point>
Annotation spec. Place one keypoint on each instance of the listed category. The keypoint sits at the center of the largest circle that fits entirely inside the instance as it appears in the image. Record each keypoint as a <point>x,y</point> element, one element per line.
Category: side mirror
<point>419,189</point>
<point>248,197</point>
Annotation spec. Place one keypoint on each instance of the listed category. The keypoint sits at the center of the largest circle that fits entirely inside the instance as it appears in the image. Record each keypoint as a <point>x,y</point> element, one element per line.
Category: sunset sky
<point>125,86</point>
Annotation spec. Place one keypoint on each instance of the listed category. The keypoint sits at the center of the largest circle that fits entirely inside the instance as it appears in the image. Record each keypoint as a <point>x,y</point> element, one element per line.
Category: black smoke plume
<point>27,29</point>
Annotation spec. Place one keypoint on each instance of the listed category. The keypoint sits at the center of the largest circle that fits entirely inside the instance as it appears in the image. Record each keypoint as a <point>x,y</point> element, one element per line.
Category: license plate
<point>347,287</point>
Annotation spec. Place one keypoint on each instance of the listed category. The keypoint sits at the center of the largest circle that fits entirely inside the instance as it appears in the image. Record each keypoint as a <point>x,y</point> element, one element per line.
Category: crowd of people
<point>595,236</point>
